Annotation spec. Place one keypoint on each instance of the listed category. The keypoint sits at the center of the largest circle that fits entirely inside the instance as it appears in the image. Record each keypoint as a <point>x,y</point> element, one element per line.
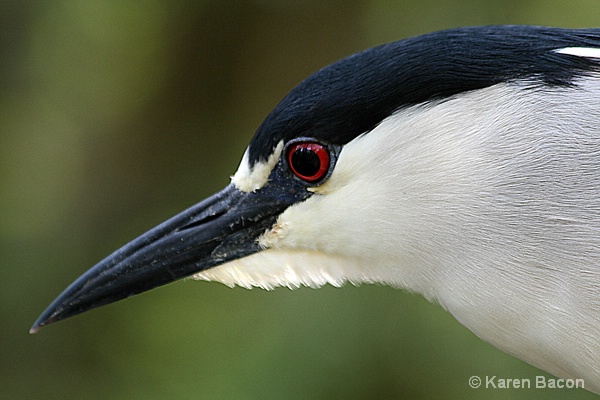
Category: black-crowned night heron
<point>463,165</point>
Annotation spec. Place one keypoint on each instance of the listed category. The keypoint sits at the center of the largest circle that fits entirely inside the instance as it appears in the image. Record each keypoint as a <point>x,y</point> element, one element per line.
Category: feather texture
<point>487,202</point>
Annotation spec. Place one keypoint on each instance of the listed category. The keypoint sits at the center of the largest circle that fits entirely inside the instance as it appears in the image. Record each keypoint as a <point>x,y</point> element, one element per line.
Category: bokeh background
<point>115,115</point>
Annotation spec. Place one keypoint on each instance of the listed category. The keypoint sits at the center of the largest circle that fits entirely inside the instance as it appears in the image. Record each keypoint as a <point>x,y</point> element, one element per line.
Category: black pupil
<point>306,162</point>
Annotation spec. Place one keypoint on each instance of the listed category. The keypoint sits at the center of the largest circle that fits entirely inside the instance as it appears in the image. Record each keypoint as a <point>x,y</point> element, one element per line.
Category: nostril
<point>202,221</point>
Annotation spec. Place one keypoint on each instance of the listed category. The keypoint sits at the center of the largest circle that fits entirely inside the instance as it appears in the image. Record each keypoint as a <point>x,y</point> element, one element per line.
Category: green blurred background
<point>115,115</point>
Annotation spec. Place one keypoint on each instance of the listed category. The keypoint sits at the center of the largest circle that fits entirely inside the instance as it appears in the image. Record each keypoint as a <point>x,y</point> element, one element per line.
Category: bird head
<point>389,166</point>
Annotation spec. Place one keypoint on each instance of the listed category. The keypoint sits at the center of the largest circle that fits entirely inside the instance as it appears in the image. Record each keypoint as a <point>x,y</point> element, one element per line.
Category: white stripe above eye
<point>587,52</point>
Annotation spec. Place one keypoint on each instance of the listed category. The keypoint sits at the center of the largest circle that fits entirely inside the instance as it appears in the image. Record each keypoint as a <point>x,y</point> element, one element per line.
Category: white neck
<point>486,202</point>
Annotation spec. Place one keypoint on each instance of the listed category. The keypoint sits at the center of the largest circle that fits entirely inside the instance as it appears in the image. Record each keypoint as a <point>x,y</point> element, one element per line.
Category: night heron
<point>463,165</point>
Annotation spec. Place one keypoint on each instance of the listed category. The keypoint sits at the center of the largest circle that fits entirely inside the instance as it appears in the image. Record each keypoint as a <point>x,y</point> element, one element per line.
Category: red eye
<point>309,160</point>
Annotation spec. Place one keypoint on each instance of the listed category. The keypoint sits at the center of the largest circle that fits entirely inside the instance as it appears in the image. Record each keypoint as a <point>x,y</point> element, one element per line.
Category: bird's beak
<point>221,228</point>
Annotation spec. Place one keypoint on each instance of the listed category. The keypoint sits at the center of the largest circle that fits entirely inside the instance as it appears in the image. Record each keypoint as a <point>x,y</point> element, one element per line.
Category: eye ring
<point>308,160</point>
